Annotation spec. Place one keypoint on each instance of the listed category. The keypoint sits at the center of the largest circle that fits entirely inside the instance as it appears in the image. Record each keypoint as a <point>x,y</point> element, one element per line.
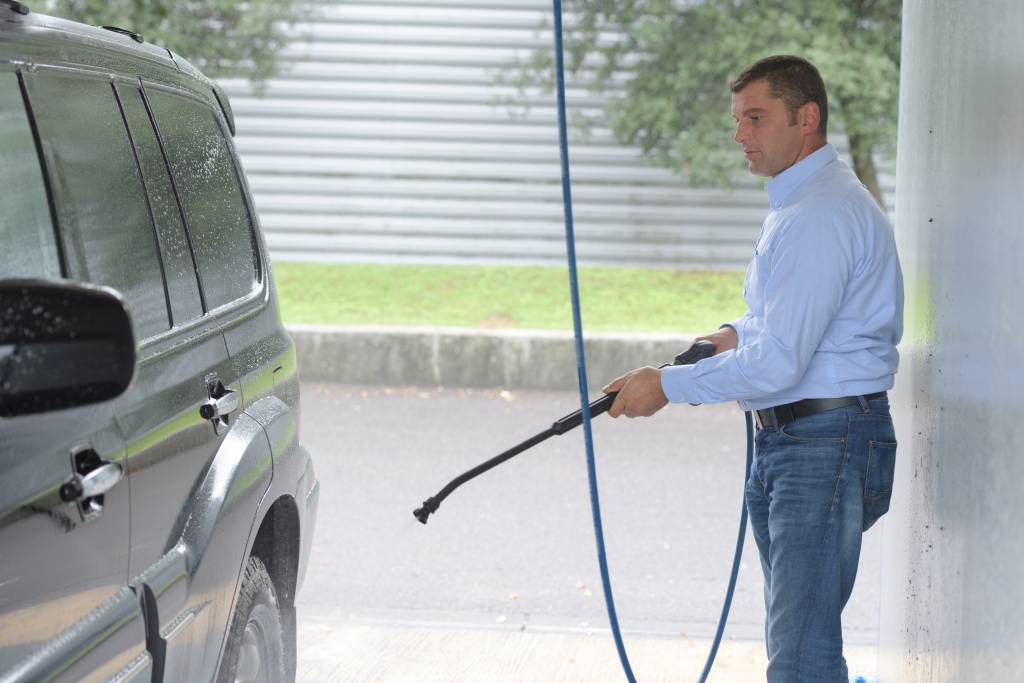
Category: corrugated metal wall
<point>386,140</point>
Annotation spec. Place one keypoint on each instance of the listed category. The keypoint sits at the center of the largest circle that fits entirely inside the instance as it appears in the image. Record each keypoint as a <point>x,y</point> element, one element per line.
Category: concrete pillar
<point>953,573</point>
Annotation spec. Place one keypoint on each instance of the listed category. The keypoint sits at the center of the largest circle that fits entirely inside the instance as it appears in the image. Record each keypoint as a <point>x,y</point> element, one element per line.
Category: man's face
<point>771,143</point>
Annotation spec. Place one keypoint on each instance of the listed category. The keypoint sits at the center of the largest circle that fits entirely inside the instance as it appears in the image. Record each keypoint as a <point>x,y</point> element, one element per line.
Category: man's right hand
<point>724,339</point>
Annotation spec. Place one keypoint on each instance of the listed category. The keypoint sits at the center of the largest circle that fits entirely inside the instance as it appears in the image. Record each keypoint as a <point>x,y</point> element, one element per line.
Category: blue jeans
<point>815,485</point>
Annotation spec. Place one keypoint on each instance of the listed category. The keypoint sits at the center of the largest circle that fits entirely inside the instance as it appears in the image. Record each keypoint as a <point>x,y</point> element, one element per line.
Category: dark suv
<point>156,506</point>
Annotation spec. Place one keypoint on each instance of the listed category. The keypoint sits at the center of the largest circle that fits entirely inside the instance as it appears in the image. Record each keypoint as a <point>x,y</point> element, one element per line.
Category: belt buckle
<point>772,421</point>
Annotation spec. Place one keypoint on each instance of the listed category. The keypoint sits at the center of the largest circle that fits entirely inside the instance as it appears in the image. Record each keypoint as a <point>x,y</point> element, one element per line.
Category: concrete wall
<point>953,594</point>
<point>454,357</point>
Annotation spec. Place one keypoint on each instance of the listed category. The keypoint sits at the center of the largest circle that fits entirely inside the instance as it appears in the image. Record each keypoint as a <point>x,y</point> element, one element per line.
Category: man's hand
<point>724,339</point>
<point>640,393</point>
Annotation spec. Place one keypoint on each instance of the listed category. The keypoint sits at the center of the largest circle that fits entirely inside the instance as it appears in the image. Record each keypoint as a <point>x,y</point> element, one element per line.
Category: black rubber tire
<point>290,644</point>
<point>257,636</point>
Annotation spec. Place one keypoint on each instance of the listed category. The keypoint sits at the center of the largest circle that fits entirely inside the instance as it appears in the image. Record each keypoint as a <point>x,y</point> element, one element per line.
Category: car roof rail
<point>137,37</point>
<point>15,6</point>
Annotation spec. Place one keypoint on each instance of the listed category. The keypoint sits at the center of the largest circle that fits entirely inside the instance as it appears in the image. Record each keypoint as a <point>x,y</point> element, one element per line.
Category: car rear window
<point>101,203</point>
<point>26,231</point>
<point>207,181</point>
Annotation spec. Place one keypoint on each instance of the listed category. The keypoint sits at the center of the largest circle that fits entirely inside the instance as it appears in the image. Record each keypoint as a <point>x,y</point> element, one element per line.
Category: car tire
<point>255,651</point>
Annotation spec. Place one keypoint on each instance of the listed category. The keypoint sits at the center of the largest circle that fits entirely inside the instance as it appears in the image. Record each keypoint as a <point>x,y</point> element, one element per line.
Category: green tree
<point>221,37</point>
<point>664,67</point>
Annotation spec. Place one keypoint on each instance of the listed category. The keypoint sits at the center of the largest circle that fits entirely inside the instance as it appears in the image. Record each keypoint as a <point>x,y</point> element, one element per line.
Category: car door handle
<point>219,407</point>
<point>101,480</point>
<point>92,484</point>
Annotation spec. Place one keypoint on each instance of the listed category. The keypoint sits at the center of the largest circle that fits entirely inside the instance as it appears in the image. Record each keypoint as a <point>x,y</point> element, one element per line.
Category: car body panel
<point>169,444</point>
<point>195,582</point>
<point>76,656</point>
<point>36,38</point>
<point>58,565</point>
<point>152,588</point>
<point>294,478</point>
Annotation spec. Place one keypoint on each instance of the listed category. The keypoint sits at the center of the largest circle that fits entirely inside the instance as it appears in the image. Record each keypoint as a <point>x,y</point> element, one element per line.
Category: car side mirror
<point>62,344</point>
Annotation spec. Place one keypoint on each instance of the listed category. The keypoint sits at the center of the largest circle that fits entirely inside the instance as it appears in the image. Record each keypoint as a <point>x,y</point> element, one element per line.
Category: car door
<point>221,238</point>
<point>171,443</point>
<point>67,612</point>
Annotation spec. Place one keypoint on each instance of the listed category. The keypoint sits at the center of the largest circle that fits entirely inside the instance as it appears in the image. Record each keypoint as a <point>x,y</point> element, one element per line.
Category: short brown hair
<point>794,80</point>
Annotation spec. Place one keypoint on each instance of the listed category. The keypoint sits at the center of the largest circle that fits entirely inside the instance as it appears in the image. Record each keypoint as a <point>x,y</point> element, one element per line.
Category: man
<point>813,357</point>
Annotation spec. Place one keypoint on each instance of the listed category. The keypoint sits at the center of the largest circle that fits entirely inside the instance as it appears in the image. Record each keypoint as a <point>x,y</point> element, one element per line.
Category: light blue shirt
<point>825,297</point>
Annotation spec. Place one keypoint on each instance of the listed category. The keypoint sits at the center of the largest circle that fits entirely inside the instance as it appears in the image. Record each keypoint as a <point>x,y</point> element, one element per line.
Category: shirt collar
<point>782,185</point>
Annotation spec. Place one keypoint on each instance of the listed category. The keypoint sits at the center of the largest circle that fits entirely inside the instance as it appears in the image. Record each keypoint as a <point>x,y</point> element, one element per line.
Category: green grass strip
<point>529,297</point>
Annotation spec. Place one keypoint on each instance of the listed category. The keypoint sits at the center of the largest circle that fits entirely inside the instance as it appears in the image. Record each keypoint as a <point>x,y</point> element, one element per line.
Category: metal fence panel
<point>388,139</point>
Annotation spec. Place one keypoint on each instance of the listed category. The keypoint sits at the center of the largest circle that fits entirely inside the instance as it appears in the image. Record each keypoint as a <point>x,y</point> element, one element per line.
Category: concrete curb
<point>477,358</point>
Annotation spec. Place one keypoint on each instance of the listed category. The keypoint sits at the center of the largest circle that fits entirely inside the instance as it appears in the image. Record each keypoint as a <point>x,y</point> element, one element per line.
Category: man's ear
<point>809,117</point>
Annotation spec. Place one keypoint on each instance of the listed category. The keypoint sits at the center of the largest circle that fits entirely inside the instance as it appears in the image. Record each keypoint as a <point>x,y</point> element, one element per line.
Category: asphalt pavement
<point>503,582</point>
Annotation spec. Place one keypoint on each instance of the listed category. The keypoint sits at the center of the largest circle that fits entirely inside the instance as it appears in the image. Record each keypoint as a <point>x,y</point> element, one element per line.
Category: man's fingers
<point>622,386</point>
<point>614,385</point>
<point>616,408</point>
<point>711,338</point>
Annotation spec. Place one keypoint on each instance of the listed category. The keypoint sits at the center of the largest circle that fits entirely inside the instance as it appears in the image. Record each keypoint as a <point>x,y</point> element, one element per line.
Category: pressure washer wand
<point>698,351</point>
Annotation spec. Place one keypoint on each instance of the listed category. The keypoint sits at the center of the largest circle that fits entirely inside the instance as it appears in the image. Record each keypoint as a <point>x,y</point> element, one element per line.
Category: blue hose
<point>581,366</point>
<point>737,555</point>
<point>581,369</point>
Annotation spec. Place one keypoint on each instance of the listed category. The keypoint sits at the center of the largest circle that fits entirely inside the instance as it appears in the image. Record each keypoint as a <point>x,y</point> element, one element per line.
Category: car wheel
<point>255,651</point>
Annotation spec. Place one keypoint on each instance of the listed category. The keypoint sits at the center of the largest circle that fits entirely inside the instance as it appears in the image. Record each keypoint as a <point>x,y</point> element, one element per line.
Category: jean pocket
<point>825,428</point>
<point>878,480</point>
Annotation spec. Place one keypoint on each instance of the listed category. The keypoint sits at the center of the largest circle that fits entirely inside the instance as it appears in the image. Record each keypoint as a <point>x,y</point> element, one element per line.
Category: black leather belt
<point>778,416</point>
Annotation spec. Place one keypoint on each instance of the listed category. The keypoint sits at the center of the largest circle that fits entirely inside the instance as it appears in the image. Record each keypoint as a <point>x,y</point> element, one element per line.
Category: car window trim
<point>215,322</point>
<point>45,171</point>
<point>149,205</point>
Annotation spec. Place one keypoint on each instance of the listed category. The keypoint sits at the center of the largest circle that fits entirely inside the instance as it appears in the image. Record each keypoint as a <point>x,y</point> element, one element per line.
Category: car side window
<point>207,181</point>
<point>26,230</point>
<point>179,262</point>
<point>101,203</point>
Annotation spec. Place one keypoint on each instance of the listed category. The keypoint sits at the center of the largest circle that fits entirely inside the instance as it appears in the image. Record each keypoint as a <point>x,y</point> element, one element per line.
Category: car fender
<point>192,587</point>
<point>294,478</point>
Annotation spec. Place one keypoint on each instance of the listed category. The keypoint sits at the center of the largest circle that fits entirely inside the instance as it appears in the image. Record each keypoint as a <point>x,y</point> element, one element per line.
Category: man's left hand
<point>640,393</point>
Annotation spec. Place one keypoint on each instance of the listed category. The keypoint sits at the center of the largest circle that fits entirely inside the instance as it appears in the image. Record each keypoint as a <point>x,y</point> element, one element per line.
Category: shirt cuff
<point>678,385</point>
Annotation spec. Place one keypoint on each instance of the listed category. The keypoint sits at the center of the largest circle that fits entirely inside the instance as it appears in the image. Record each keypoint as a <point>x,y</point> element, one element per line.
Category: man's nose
<point>741,134</point>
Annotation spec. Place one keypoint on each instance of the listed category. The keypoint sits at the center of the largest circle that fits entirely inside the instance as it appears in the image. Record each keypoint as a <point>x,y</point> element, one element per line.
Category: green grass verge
<point>535,297</point>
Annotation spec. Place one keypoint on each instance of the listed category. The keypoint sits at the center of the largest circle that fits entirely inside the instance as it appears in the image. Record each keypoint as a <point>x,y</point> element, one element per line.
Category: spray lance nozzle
<point>698,351</point>
<point>428,508</point>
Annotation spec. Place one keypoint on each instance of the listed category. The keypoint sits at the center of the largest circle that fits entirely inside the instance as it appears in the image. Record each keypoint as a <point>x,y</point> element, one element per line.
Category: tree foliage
<point>664,67</point>
<point>221,37</point>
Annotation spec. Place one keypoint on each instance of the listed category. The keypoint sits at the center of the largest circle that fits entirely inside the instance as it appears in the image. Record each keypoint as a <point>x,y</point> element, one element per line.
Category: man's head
<point>781,113</point>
